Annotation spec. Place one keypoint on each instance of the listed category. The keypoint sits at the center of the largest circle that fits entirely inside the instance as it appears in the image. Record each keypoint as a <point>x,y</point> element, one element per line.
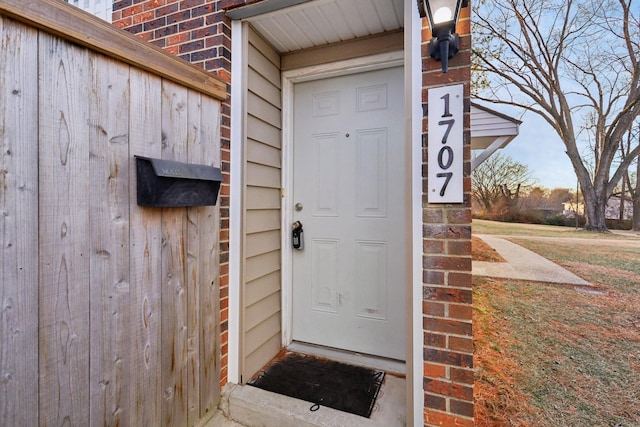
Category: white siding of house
<point>261,249</point>
<point>486,125</point>
<point>101,8</point>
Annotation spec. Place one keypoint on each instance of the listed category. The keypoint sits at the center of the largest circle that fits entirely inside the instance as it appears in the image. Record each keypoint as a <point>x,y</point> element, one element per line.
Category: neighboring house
<point>324,123</point>
<point>100,8</point>
<point>612,211</point>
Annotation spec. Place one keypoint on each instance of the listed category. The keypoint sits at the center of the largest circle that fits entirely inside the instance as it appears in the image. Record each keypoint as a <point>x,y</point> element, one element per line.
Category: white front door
<point>349,195</point>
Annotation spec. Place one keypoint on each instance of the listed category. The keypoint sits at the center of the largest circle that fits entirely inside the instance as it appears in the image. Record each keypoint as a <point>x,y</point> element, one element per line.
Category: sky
<point>539,147</point>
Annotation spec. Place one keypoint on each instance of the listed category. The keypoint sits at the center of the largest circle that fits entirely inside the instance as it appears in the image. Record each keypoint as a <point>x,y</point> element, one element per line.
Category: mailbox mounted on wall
<point>167,183</point>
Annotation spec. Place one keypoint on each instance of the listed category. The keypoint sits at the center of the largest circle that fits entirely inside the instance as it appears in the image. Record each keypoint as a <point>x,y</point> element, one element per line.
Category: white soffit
<point>322,22</point>
<point>488,125</point>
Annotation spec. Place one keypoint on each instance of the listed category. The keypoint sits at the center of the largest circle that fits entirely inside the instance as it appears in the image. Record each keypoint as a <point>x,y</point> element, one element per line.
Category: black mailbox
<point>167,183</point>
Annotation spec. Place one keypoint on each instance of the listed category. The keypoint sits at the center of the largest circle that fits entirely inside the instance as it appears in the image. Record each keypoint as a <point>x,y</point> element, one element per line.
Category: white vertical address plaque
<point>446,113</point>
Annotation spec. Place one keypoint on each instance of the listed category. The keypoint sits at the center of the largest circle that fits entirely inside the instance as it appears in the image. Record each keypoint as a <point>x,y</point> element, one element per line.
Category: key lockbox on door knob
<point>297,238</point>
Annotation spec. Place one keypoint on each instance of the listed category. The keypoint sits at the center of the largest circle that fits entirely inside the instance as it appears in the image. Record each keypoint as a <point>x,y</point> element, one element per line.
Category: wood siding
<point>109,311</point>
<point>262,176</point>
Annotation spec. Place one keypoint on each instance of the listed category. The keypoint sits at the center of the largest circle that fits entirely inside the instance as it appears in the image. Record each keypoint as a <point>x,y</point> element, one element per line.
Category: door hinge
<point>282,193</point>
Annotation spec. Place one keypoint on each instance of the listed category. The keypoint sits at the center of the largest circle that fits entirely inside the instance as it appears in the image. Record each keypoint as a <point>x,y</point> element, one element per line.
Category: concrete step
<point>252,407</point>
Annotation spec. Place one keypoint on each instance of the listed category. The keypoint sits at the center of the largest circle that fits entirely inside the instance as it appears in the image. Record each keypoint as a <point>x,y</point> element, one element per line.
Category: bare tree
<point>496,185</point>
<point>630,181</point>
<point>576,64</point>
<point>535,199</point>
<point>635,194</point>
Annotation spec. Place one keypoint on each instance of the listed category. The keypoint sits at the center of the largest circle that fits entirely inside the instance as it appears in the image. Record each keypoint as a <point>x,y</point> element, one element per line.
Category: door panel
<point>349,278</point>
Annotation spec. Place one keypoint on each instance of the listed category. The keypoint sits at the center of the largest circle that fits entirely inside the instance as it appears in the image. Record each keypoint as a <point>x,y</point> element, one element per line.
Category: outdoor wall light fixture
<point>443,18</point>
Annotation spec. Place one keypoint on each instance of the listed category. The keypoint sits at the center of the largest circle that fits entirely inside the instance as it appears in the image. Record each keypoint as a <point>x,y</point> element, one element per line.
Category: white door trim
<point>289,78</point>
<point>236,197</point>
<point>413,82</point>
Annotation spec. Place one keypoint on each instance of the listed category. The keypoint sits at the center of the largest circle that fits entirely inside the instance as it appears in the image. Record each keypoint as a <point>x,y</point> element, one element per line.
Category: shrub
<point>616,224</point>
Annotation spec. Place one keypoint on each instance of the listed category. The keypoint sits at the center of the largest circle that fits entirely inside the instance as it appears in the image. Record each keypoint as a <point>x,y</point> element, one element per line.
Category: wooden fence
<point>108,310</point>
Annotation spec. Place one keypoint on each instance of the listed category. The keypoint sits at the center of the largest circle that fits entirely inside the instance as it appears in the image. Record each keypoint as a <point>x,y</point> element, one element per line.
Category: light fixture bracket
<point>435,50</point>
<point>446,42</point>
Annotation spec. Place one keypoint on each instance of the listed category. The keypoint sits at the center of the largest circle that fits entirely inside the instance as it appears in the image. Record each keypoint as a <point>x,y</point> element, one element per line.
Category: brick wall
<point>199,32</point>
<point>447,294</point>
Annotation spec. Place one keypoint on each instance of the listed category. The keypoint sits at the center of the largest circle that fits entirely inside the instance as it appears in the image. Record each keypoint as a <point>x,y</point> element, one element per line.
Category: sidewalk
<point>522,264</point>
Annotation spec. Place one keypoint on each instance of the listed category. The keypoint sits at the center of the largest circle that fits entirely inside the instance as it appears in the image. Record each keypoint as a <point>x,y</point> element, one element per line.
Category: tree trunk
<point>636,199</point>
<point>636,213</point>
<point>595,209</point>
<point>622,193</point>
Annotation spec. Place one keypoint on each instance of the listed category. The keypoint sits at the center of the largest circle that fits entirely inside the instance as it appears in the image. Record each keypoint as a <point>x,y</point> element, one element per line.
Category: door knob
<point>298,207</point>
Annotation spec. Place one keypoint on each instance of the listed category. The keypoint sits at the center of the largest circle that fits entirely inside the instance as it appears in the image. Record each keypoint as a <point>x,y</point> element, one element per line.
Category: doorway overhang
<point>355,20</point>
<point>490,131</point>
<point>295,25</point>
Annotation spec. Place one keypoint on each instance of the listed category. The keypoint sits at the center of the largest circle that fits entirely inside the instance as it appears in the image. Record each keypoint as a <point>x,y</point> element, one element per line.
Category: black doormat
<point>322,382</point>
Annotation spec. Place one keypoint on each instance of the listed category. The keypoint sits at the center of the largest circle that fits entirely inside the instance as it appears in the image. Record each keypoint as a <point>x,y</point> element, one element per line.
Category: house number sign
<point>446,111</point>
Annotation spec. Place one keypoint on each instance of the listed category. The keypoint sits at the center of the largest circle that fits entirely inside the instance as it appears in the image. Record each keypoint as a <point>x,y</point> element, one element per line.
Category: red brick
<point>154,24</point>
<point>191,46</point>
<point>432,401</point>
<point>133,10</point>
<point>455,295</point>
<point>447,263</point>
<point>166,10</point>
<point>435,340</point>
<point>124,22</point>
<point>431,277</point>
<point>191,24</point>
<point>435,231</point>
<point>177,39</point>
<point>462,280</point>
<point>165,31</point>
<point>449,389</point>
<point>178,17</point>
<point>430,246</point>
<point>461,344</point>
<point>155,4</point>
<point>459,216</point>
<point>435,418</point>
<point>432,215</point>
<point>430,308</point>
<point>202,10</point>
<point>435,371</point>
<point>224,292</point>
<point>459,232</point>
<point>459,247</point>
<point>447,357</point>
<point>461,407</point>
<point>224,269</point>
<point>463,312</point>
<point>461,375</point>
<point>457,72</point>
<point>446,326</point>
<point>224,282</point>
<point>187,4</point>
